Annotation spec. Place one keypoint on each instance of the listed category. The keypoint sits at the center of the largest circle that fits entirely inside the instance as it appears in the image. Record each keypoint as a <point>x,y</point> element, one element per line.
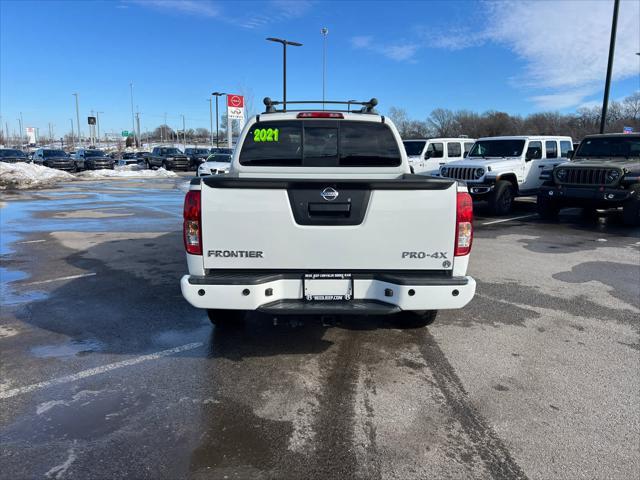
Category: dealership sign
<point>235,107</point>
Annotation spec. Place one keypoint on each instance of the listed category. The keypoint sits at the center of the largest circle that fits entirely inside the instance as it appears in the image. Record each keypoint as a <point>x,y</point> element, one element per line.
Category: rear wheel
<point>415,318</point>
<point>631,209</point>
<point>548,208</point>
<point>501,198</point>
<point>226,318</point>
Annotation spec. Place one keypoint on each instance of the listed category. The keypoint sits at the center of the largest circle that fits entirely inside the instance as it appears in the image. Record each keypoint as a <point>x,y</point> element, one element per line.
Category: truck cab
<point>426,156</point>
<point>319,214</point>
<point>499,169</point>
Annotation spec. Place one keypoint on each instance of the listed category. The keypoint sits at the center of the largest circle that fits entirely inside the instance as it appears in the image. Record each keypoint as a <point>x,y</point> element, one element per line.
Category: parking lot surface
<point>108,373</point>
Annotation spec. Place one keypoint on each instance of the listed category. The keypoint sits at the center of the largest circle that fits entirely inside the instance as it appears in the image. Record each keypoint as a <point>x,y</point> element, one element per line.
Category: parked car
<point>604,173</point>
<point>320,214</point>
<point>428,155</point>
<point>54,159</point>
<point>10,155</point>
<point>498,169</point>
<point>215,164</point>
<point>169,158</point>
<point>221,150</point>
<point>90,159</point>
<point>196,156</point>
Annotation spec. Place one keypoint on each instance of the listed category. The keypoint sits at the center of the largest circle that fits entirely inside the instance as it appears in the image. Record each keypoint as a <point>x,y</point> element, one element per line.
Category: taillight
<point>192,228</point>
<point>464,224</point>
<point>320,115</point>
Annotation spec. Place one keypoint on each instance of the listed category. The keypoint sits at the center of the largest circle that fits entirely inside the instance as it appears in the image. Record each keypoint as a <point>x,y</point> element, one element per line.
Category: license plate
<point>328,286</point>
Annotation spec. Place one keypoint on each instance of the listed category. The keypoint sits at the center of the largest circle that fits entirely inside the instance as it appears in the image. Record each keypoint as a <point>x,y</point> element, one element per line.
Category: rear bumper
<point>283,293</point>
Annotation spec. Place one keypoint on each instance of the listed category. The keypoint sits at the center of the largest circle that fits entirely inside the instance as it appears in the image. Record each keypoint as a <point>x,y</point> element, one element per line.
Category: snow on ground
<point>29,175</point>
<point>131,171</point>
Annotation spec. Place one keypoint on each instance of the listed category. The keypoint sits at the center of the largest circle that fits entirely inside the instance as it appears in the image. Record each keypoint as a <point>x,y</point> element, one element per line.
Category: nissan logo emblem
<point>329,194</point>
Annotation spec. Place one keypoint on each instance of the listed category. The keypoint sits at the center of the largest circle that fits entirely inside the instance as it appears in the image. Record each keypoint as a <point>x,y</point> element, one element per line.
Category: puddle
<point>68,350</point>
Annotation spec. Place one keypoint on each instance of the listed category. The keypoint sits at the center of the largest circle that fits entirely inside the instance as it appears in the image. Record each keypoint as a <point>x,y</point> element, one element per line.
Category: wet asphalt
<point>106,372</point>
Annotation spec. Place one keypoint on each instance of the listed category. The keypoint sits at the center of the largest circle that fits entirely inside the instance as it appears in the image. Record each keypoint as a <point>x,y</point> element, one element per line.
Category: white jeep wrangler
<point>498,169</point>
<point>319,214</point>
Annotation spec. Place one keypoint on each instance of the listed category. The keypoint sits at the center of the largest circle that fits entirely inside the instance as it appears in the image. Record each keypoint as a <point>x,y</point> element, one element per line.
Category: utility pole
<point>284,67</point>
<point>217,94</point>
<point>210,121</point>
<point>72,137</point>
<point>612,48</point>
<point>133,123</point>
<point>98,122</point>
<point>78,120</point>
<point>324,32</point>
<point>162,128</point>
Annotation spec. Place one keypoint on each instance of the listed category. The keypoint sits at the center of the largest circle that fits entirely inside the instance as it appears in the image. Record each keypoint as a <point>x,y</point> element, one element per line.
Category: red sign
<point>235,101</point>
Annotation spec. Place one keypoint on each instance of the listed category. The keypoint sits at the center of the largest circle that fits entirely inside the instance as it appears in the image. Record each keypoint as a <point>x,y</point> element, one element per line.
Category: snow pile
<point>128,171</point>
<point>29,175</point>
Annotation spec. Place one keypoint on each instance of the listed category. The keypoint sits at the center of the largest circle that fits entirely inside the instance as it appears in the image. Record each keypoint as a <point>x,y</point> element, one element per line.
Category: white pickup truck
<point>319,214</point>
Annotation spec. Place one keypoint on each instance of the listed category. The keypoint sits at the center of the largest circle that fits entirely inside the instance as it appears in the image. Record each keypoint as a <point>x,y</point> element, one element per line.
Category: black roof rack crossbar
<point>367,107</point>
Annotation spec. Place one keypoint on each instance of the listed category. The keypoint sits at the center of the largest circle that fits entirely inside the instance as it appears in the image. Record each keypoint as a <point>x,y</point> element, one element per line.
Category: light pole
<point>78,120</point>
<point>349,102</point>
<point>210,121</point>
<point>612,48</point>
<point>284,66</point>
<point>98,122</point>
<point>184,133</point>
<point>133,121</point>
<point>72,136</point>
<point>20,132</point>
<point>217,94</point>
<point>324,32</point>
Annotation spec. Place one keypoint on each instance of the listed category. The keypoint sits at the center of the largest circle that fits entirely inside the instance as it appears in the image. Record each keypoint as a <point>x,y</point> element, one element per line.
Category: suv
<point>54,159</point>
<point>196,156</point>
<point>498,169</point>
<point>169,158</point>
<point>11,155</point>
<point>604,173</point>
<point>318,215</point>
<point>427,156</point>
<point>91,159</point>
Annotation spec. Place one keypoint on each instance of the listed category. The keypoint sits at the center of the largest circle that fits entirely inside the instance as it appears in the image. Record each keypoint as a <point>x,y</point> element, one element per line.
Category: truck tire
<point>415,318</point>
<point>225,318</point>
<point>548,208</point>
<point>165,166</point>
<point>631,209</point>
<point>148,164</point>
<point>501,199</point>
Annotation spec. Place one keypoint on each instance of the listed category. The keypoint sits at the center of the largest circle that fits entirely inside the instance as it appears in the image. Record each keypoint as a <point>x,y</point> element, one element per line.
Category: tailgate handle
<point>329,209</point>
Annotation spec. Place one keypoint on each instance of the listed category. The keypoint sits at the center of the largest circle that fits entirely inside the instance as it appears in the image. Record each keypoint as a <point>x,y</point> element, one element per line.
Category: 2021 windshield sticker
<point>266,135</point>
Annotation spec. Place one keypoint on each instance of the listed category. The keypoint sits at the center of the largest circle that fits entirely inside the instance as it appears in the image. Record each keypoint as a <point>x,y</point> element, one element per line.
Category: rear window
<point>322,143</point>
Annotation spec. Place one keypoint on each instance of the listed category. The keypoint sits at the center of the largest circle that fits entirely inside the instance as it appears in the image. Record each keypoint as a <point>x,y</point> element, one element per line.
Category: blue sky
<point>518,57</point>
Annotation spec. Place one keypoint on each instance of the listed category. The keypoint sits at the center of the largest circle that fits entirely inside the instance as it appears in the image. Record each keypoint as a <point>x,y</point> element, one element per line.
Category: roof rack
<point>367,107</point>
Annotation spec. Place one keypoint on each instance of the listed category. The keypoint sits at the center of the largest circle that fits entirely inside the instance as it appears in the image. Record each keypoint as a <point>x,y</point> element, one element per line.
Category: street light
<point>349,102</point>
<point>612,47</point>
<point>78,120</point>
<point>133,121</point>
<point>284,65</point>
<point>217,94</point>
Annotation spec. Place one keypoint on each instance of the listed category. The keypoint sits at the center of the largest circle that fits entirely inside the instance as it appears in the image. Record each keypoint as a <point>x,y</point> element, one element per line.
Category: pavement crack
<point>486,442</point>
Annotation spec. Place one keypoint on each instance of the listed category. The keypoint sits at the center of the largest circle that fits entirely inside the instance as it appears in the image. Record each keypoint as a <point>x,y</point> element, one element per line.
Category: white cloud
<point>203,8</point>
<point>399,52</point>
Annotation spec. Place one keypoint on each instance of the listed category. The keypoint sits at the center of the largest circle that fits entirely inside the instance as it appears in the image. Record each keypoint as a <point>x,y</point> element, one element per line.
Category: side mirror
<point>464,155</point>
<point>570,154</point>
<point>428,154</point>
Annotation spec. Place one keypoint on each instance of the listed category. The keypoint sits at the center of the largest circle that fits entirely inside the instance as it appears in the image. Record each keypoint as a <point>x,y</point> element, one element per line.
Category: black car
<point>91,159</point>
<point>604,172</point>
<point>169,158</point>
<point>51,158</point>
<point>10,155</point>
<point>196,156</point>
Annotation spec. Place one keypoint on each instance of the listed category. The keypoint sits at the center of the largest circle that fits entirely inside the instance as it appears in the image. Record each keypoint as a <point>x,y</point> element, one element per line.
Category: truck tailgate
<point>328,225</point>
